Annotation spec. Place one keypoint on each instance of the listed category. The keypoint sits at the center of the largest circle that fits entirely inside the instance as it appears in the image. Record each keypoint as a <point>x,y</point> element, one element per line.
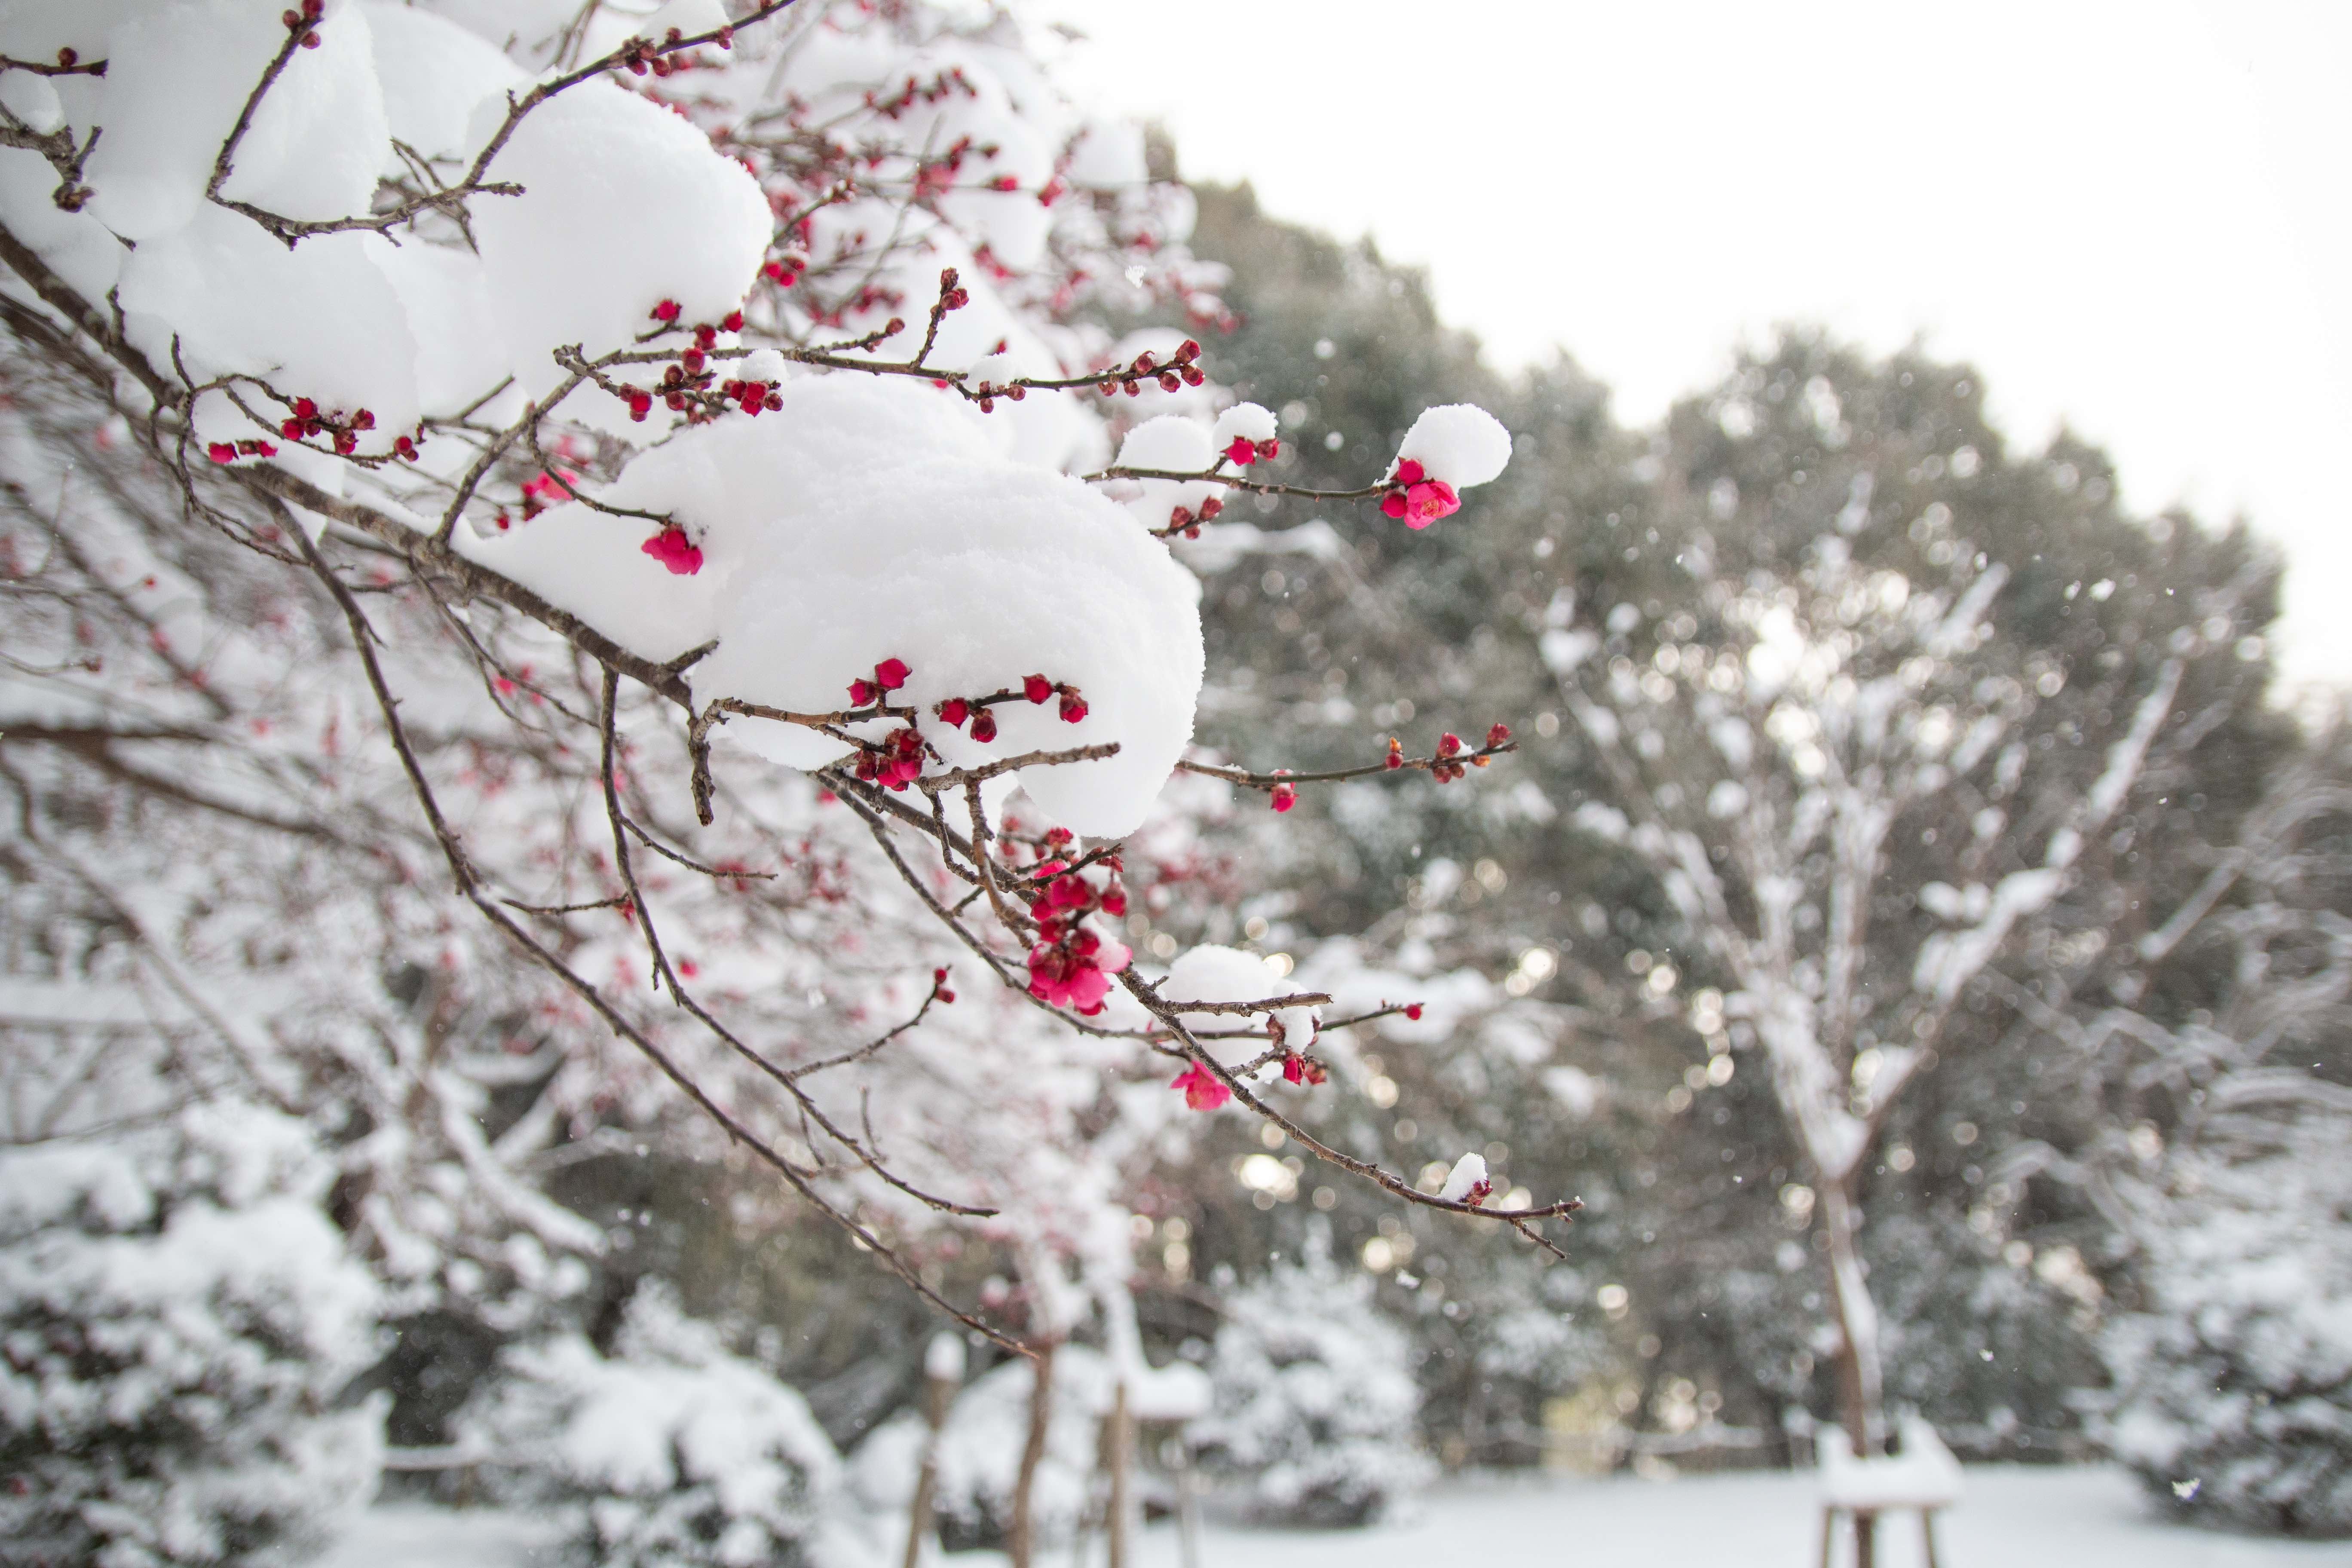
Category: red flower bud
<point>732,321</point>
<point>891,673</point>
<point>954,711</point>
<point>221,452</point>
<point>1036,687</point>
<point>1413,1011</point>
<point>1074,708</point>
<point>1498,735</point>
<point>1449,743</point>
<point>1284,797</point>
<point>1242,452</point>
<point>666,310</point>
<point>983,726</point>
<point>861,694</point>
<point>1211,508</point>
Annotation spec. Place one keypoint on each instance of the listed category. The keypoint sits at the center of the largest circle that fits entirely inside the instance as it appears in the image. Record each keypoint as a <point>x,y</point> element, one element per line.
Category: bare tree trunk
<point>1021,1541</point>
<point>1861,1382</point>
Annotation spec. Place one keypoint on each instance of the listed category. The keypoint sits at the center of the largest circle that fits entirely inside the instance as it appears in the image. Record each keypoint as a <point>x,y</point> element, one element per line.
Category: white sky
<point>2133,217</point>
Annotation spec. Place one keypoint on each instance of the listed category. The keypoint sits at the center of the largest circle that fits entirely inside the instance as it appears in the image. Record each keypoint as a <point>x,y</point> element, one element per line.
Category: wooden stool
<point>1924,1478</point>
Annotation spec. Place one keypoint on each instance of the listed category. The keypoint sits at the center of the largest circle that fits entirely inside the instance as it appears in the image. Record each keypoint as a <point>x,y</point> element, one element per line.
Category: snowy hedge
<point>675,1450</point>
<point>176,1319</point>
<point>2234,1385</point>
<point>1315,1399</point>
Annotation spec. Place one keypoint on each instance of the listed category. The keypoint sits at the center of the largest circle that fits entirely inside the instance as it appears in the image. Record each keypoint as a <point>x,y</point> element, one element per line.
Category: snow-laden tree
<point>1315,1397</point>
<point>567,562</point>
<point>177,1318</point>
<point>1763,774</point>
<point>2217,1061</point>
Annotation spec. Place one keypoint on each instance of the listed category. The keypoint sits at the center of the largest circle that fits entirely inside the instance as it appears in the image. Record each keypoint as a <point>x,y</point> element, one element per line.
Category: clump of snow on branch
<point>868,520</point>
<point>1210,972</point>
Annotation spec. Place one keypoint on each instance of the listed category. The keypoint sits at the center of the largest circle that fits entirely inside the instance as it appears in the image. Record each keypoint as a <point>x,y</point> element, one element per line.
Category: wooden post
<point>1122,1462</point>
<point>942,1373</point>
<point>1020,1539</point>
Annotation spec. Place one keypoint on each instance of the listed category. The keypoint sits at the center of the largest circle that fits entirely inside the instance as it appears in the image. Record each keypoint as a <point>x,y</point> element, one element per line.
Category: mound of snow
<point>867,520</point>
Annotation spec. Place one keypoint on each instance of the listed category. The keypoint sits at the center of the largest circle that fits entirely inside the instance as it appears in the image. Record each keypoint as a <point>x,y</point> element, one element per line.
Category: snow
<point>1467,1173</point>
<point>2082,1517</point>
<point>943,1358</point>
<point>1459,443</point>
<point>1210,972</point>
<point>974,569</point>
<point>319,320</point>
<point>671,218</point>
<point>177,77</point>
<point>1924,1475</point>
<point>1250,420</point>
<point>434,73</point>
<point>1172,444</point>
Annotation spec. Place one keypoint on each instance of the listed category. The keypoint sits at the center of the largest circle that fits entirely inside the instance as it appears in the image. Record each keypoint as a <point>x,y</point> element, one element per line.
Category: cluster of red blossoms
<point>1180,371</point>
<point>1416,498</point>
<point>305,421</point>
<point>956,711</point>
<point>685,382</point>
<point>230,451</point>
<point>888,675</point>
<point>894,763</point>
<point>1244,451</point>
<point>1184,521</point>
<point>641,56</point>
<point>300,21</point>
<point>1071,965</point>
<point>785,271</point>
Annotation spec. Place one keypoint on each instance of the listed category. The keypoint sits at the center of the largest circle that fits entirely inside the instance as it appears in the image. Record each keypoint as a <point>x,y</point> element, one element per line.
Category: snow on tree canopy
<point>868,520</point>
<point>1458,443</point>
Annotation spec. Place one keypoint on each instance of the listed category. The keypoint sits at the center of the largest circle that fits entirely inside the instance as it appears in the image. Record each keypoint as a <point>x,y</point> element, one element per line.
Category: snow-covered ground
<point>2012,1518</point>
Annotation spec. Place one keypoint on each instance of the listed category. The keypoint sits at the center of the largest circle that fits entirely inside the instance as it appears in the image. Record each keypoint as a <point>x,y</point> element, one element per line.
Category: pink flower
<point>674,550</point>
<point>1204,1090</point>
<point>1242,452</point>
<point>1425,502</point>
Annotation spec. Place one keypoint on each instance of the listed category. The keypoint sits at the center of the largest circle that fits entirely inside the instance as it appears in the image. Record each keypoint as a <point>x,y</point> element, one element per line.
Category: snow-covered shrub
<point>678,1451</point>
<point>980,1450</point>
<point>1315,1398</point>
<point>2235,1383</point>
<point>176,1319</point>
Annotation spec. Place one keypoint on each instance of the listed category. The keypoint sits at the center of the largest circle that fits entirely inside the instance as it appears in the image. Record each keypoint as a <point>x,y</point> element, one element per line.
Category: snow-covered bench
<point>1924,1477</point>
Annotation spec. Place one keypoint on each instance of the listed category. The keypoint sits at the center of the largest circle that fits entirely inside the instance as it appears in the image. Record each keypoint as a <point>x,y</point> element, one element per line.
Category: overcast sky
<point>2135,218</point>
